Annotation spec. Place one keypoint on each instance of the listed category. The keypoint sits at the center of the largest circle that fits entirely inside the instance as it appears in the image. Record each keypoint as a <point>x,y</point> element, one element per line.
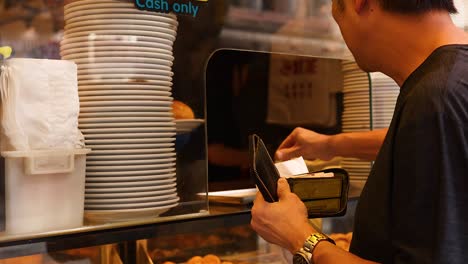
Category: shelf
<point>108,234</point>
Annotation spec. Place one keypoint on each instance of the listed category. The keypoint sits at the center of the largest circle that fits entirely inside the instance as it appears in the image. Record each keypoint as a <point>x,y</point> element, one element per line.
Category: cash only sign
<point>183,7</point>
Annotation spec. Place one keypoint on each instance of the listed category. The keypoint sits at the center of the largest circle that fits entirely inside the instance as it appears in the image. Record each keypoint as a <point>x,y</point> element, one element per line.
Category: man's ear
<point>360,5</point>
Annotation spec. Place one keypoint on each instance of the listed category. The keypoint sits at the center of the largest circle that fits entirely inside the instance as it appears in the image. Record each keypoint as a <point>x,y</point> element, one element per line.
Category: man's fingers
<point>287,153</point>
<point>283,188</point>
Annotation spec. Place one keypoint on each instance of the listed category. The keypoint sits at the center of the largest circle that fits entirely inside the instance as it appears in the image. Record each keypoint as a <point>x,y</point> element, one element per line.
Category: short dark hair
<point>417,6</point>
<point>413,6</point>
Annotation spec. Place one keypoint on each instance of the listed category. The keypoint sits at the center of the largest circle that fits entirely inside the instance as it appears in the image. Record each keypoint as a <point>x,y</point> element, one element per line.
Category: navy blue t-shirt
<point>414,207</point>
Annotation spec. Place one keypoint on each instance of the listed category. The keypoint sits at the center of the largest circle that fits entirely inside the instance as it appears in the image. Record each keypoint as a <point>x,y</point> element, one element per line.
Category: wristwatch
<point>304,255</point>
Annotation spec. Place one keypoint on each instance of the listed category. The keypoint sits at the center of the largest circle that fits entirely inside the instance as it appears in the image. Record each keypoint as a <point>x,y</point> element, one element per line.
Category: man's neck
<point>410,40</point>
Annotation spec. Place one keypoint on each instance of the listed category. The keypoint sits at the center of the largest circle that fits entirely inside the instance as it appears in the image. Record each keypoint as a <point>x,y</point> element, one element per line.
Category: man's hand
<point>283,223</point>
<point>306,143</point>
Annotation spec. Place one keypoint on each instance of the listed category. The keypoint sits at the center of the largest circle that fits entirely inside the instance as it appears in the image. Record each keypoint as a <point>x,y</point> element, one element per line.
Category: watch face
<point>299,259</point>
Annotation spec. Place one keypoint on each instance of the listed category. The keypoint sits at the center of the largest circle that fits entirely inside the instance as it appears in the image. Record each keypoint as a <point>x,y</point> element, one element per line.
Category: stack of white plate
<point>360,92</point>
<point>385,92</point>
<point>461,18</point>
<point>124,59</point>
<point>356,114</point>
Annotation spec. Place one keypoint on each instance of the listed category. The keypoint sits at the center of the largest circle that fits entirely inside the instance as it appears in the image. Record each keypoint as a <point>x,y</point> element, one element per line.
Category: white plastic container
<point>44,190</point>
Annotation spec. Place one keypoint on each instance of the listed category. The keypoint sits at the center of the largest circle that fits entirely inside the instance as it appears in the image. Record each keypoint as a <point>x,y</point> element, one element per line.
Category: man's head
<point>368,26</point>
<point>411,6</point>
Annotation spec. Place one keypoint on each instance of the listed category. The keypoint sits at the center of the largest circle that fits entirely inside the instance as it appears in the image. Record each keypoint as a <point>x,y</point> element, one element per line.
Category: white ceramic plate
<point>129,167</point>
<point>131,130</point>
<point>93,39</point>
<point>162,196</point>
<point>186,125</point>
<point>123,53</point>
<point>99,34</point>
<point>124,109</point>
<point>130,173</point>
<point>357,108</point>
<point>161,95</point>
<point>157,182</point>
<point>129,146</point>
<point>89,136</point>
<point>90,50</point>
<point>356,98</point>
<point>120,42</point>
<point>162,177</point>
<point>347,90</point>
<point>163,28</point>
<point>113,141</point>
<point>130,205</point>
<point>120,65</point>
<point>125,114</point>
<point>130,85</point>
<point>360,118</point>
<point>129,124</point>
<point>91,157</point>
<point>158,17</point>
<point>127,203</point>
<point>126,98</point>
<point>103,82</point>
<point>359,88</point>
<point>128,70</point>
<point>159,150</point>
<point>119,22</point>
<point>107,71</point>
<point>131,76</point>
<point>129,162</point>
<point>117,192</point>
<point>123,119</point>
<point>122,59</point>
<point>126,102</point>
<point>119,119</point>
<point>132,183</point>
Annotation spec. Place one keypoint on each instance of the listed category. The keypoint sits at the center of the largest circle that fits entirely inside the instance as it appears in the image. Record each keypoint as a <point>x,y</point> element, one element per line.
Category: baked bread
<point>182,111</point>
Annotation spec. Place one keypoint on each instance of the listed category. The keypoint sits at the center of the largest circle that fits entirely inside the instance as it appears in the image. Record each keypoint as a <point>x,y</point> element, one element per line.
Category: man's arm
<point>327,253</point>
<point>285,223</point>
<point>311,145</point>
<point>361,145</point>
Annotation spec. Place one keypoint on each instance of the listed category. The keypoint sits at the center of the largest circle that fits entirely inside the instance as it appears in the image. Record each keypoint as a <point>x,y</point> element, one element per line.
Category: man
<point>414,207</point>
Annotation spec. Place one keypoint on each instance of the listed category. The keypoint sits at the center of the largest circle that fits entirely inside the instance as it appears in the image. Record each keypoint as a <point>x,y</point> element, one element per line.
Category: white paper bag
<point>40,105</point>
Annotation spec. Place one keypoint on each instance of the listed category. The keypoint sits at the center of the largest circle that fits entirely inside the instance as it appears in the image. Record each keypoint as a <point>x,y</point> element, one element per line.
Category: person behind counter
<point>414,207</point>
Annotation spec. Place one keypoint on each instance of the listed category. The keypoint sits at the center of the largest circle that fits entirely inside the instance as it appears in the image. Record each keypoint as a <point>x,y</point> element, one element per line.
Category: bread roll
<point>182,111</point>
<point>211,259</point>
<point>195,260</point>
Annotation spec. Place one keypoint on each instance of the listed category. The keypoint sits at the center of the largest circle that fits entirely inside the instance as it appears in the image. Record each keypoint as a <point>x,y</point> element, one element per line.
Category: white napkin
<point>40,105</point>
<point>297,168</point>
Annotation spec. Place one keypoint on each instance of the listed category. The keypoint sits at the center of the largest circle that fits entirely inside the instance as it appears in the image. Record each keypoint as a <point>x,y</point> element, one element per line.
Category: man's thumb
<point>283,187</point>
